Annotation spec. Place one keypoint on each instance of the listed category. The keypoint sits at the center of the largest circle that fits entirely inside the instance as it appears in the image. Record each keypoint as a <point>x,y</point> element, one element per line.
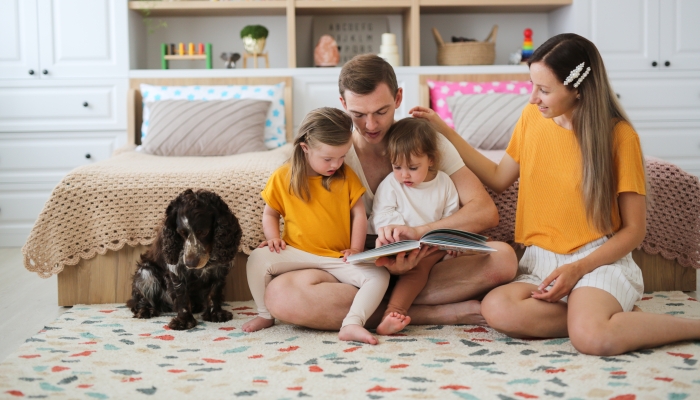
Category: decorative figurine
<point>230,59</point>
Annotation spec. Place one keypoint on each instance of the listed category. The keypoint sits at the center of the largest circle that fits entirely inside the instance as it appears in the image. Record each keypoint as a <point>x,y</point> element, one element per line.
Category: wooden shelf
<point>321,7</point>
<point>209,8</point>
<point>410,10</point>
<point>490,6</point>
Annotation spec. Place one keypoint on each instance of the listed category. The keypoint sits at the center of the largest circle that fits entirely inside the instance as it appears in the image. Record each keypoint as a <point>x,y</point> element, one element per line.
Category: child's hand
<point>275,244</point>
<point>431,116</point>
<point>349,252</point>
<point>394,233</point>
<point>564,279</point>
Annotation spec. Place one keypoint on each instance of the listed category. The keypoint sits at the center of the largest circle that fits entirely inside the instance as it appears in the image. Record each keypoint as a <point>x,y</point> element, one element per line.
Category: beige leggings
<point>372,281</point>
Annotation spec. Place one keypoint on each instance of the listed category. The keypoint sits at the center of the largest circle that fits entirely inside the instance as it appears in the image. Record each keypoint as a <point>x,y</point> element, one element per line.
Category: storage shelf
<point>322,7</point>
<point>209,8</point>
<point>410,11</point>
<point>490,6</point>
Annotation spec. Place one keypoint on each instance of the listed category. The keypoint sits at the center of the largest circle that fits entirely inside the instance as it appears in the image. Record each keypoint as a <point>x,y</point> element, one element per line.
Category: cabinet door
<point>83,38</point>
<point>626,33</point>
<point>19,52</point>
<point>680,34</point>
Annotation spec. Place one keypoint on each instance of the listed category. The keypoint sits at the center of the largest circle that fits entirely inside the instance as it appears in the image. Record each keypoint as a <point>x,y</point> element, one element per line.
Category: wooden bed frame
<point>107,278</point>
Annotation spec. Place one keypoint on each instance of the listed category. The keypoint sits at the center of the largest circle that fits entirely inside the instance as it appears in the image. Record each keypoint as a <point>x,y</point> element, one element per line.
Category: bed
<point>120,202</point>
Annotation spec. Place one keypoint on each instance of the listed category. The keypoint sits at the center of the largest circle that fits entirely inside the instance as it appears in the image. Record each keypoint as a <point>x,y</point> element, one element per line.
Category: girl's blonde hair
<point>594,119</point>
<point>326,125</point>
<point>413,137</point>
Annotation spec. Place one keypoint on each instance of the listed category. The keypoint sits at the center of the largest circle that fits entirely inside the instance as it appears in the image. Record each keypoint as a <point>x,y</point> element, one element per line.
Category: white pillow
<point>486,121</point>
<point>275,123</point>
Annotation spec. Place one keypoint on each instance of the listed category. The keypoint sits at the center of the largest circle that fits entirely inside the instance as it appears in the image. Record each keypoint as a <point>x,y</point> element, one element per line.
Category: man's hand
<point>404,262</point>
<point>275,244</point>
<point>349,252</point>
<point>394,233</point>
<point>564,278</point>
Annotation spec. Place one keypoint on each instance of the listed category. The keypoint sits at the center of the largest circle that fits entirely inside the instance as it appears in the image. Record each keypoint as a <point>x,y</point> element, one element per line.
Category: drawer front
<point>48,160</point>
<point>660,99</point>
<point>670,143</point>
<point>62,106</point>
<point>18,212</point>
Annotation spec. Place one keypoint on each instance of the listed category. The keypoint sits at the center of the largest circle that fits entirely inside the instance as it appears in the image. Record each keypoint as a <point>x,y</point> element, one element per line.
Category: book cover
<point>444,239</point>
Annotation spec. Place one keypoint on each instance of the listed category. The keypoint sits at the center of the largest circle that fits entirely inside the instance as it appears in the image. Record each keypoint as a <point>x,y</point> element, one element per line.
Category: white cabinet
<point>643,35</point>
<point>44,39</point>
<point>63,83</point>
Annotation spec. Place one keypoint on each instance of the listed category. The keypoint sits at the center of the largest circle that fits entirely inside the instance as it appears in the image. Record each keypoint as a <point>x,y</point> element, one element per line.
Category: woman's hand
<point>404,262</point>
<point>394,233</point>
<point>349,252</point>
<point>564,278</point>
<point>431,116</point>
<point>275,244</point>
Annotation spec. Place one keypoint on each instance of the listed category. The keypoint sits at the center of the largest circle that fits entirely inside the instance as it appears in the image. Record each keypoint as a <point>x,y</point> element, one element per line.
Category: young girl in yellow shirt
<point>319,199</point>
<point>581,210</point>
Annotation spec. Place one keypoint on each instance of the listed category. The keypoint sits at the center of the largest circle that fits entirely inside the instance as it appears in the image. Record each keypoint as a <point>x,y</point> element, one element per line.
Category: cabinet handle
<point>45,72</point>
<point>88,156</point>
<point>85,104</point>
<point>654,63</point>
<point>31,72</point>
<point>667,63</point>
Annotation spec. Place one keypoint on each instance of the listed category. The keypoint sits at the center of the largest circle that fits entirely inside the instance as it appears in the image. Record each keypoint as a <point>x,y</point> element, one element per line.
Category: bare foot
<point>257,323</point>
<point>392,323</point>
<point>356,333</point>
<point>465,312</point>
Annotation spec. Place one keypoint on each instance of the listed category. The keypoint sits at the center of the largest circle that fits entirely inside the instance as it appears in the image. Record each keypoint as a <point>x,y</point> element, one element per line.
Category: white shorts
<point>622,279</point>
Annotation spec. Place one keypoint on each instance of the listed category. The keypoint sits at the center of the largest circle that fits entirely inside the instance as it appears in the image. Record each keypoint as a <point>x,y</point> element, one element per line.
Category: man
<point>314,298</point>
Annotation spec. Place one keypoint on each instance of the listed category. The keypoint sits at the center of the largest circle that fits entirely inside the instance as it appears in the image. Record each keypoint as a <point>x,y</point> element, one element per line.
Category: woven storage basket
<point>467,53</point>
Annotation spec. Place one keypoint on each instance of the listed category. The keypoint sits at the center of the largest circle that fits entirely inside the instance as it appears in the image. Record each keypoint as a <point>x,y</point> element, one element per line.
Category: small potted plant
<point>254,38</point>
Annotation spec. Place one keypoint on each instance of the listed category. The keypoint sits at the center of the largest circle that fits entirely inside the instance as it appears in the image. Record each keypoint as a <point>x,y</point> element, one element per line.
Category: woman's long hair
<point>326,125</point>
<point>594,118</point>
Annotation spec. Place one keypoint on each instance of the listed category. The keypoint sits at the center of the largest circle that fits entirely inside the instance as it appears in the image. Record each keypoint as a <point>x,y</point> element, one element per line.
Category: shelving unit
<point>410,11</point>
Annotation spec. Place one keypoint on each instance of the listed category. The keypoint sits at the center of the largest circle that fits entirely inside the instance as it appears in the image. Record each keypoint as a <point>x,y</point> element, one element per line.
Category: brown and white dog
<point>185,269</point>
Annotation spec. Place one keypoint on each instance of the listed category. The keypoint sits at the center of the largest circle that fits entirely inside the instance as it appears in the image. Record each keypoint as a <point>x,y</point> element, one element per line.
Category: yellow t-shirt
<point>550,211</point>
<point>320,226</point>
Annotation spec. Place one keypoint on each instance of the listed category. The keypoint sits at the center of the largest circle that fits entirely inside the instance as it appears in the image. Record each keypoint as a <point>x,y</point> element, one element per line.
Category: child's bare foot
<point>257,323</point>
<point>392,323</point>
<point>356,333</point>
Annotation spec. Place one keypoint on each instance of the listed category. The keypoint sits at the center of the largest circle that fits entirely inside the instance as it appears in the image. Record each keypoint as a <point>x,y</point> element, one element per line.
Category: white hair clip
<point>578,82</point>
<point>574,74</point>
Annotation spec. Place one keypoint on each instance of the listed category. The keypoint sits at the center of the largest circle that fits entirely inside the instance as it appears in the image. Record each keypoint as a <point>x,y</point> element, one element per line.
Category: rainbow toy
<point>170,52</point>
<point>527,45</point>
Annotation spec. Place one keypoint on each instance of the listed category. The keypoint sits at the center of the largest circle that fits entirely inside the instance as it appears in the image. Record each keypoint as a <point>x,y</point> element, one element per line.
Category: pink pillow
<point>441,90</point>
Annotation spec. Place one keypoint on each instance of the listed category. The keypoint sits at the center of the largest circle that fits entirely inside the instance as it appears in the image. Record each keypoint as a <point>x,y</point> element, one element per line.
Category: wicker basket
<point>467,53</point>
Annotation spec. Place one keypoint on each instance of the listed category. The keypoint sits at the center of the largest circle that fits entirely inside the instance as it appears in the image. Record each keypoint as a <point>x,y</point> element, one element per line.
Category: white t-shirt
<point>450,163</point>
<point>398,204</point>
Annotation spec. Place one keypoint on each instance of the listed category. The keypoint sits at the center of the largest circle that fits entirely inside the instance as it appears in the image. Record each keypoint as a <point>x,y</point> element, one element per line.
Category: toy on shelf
<point>388,50</point>
<point>169,52</point>
<point>230,59</point>
<point>527,46</point>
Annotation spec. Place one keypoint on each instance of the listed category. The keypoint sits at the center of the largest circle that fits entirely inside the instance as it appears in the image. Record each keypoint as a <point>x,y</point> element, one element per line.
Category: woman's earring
<point>578,97</point>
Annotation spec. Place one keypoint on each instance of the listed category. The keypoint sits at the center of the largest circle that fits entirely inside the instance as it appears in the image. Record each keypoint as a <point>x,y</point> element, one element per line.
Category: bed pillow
<point>205,127</point>
<point>486,121</point>
<point>441,90</point>
<point>275,123</point>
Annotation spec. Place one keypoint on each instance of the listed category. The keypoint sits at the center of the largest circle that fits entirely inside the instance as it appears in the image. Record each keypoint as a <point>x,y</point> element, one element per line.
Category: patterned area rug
<point>101,352</point>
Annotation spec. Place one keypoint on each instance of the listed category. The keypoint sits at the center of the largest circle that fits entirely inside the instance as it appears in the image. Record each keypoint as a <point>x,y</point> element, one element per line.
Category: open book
<point>444,239</point>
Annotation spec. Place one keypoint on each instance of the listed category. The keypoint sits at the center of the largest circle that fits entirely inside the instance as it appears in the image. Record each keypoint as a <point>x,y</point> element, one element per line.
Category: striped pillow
<point>206,127</point>
<point>486,121</point>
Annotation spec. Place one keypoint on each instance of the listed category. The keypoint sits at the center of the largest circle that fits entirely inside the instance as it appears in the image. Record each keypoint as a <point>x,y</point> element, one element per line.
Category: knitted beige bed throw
<point>122,201</point>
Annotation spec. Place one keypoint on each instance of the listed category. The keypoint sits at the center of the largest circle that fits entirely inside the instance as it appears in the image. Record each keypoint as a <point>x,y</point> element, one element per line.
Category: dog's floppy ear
<point>172,241</point>
<point>227,234</point>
